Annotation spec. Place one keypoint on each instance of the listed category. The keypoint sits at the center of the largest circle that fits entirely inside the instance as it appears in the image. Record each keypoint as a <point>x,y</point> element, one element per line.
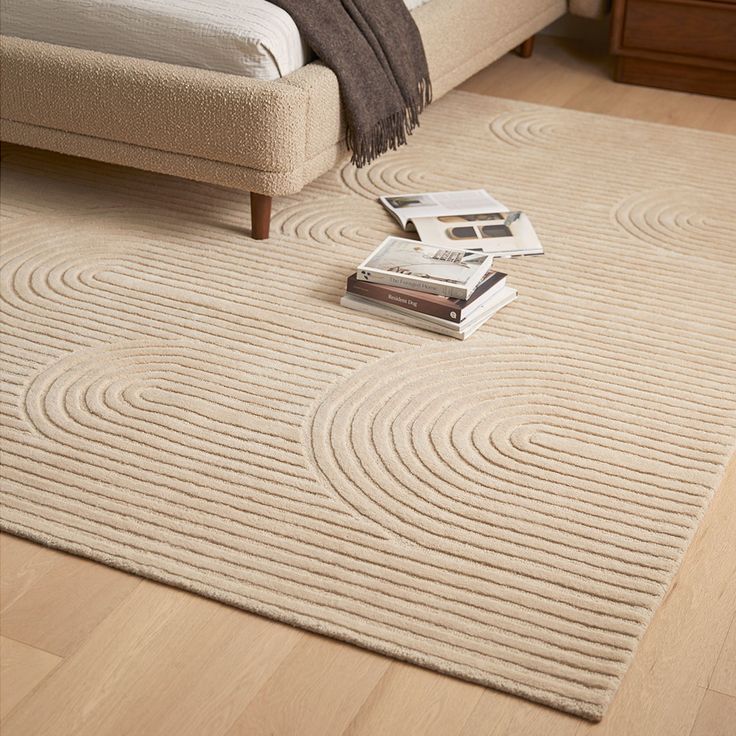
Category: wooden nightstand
<point>689,45</point>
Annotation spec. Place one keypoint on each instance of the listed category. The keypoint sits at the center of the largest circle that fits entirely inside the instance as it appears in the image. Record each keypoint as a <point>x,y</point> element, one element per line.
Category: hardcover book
<point>443,307</point>
<point>459,331</point>
<point>433,269</point>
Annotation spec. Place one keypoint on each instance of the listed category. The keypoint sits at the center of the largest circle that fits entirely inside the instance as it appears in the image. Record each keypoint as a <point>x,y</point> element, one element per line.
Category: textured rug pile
<point>188,404</point>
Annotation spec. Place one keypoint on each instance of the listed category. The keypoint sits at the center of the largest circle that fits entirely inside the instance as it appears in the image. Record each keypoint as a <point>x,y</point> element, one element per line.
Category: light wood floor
<point>90,651</point>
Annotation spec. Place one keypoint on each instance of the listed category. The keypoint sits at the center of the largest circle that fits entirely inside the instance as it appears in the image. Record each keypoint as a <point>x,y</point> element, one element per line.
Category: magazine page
<point>499,234</point>
<point>407,207</point>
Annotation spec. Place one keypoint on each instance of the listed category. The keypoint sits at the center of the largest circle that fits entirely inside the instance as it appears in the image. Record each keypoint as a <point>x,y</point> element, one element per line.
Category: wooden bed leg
<point>260,215</point>
<point>525,49</point>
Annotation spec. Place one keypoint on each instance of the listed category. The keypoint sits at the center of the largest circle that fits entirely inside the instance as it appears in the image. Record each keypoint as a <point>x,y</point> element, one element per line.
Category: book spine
<point>407,282</point>
<point>402,318</point>
<point>385,295</point>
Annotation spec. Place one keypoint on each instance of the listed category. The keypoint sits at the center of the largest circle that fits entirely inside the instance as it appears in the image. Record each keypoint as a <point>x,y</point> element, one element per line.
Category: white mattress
<point>248,37</point>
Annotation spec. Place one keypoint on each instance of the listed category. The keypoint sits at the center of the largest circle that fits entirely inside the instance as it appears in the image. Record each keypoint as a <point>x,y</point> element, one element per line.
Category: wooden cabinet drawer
<point>687,27</point>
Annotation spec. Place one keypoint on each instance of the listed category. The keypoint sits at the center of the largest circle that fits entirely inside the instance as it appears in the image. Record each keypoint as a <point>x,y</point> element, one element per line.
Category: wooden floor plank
<point>316,691</point>
<point>724,674</point>
<point>164,662</point>
<point>22,563</point>
<point>52,601</point>
<point>716,717</point>
<point>722,118</point>
<point>415,702</point>
<point>532,80</point>
<point>498,714</point>
<point>22,668</point>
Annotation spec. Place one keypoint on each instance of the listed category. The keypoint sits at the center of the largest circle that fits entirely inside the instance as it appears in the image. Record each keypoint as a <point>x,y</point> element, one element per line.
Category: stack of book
<point>446,283</point>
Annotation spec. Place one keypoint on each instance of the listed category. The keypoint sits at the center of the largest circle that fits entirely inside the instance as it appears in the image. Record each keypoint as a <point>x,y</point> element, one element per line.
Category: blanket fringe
<point>391,132</point>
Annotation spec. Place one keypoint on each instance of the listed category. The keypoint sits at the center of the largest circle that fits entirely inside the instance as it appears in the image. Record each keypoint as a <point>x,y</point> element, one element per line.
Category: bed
<point>205,114</point>
<point>251,38</point>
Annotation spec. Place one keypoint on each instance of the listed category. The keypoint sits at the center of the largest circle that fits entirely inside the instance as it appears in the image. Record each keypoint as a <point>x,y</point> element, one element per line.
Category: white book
<point>460,331</point>
<point>409,264</point>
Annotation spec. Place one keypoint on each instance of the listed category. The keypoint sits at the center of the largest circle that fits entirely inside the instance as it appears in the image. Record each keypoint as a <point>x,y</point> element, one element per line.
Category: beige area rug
<point>193,406</point>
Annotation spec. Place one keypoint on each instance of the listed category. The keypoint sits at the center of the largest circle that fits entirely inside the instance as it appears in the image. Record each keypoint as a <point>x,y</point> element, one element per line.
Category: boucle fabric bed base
<point>271,137</point>
<point>510,510</point>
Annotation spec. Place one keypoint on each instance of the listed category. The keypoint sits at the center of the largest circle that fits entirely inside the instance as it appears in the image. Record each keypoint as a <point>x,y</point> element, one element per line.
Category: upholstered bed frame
<point>265,137</point>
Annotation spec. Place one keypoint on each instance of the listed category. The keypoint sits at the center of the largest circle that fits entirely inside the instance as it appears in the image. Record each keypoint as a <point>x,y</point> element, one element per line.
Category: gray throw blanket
<point>375,49</point>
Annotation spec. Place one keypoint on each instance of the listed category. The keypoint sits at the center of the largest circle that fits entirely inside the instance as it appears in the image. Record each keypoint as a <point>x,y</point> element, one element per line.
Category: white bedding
<point>248,37</point>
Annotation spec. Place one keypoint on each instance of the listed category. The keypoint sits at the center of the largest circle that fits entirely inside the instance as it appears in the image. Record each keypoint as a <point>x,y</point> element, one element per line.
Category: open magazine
<point>470,219</point>
<point>498,233</point>
<point>407,208</point>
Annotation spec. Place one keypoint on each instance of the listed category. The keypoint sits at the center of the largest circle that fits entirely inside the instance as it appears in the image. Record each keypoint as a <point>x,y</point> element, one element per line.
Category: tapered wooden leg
<point>260,215</point>
<point>526,48</point>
